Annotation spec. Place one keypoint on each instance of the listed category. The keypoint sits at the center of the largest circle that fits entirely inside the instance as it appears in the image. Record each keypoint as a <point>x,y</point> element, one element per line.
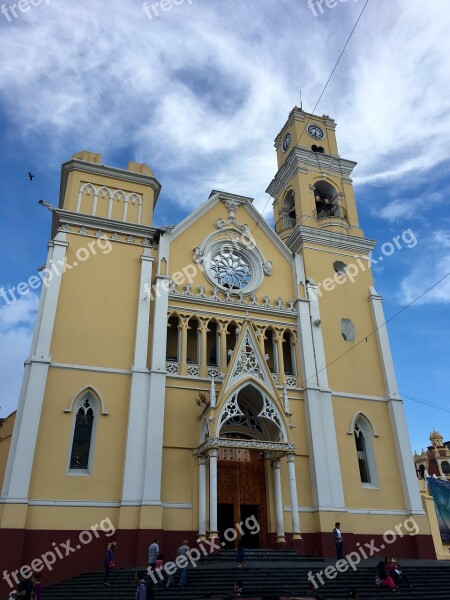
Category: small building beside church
<point>184,378</point>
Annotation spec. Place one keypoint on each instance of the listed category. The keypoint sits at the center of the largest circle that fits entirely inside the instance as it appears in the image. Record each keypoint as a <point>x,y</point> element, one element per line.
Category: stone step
<point>430,583</point>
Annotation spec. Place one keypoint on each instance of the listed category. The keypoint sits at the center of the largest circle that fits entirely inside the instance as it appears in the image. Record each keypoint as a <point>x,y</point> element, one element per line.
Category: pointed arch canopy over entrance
<point>250,413</point>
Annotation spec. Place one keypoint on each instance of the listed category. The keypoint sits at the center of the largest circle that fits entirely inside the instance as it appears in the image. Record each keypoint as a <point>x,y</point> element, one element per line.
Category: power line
<point>425,402</point>
<point>322,93</point>
<point>364,338</point>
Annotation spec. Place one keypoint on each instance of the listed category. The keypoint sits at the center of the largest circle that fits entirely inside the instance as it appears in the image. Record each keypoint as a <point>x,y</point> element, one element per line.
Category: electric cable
<point>320,96</point>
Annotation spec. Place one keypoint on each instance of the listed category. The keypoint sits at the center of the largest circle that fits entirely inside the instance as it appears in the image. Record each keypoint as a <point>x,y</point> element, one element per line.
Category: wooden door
<point>242,485</point>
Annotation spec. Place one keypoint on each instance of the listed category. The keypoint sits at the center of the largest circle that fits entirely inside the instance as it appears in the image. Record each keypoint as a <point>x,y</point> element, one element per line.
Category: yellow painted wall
<point>182,250</point>
<point>96,316</point>
<point>5,442</point>
<point>51,460</point>
<point>389,493</point>
<point>358,371</point>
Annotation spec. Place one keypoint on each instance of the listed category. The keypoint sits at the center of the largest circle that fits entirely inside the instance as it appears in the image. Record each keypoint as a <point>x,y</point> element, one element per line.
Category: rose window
<point>230,270</point>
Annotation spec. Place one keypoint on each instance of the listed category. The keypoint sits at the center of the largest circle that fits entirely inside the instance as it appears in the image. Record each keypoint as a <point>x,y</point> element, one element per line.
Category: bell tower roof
<point>312,187</point>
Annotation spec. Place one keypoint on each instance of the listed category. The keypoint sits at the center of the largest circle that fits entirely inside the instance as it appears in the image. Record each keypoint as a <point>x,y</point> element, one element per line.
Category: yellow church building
<point>184,378</point>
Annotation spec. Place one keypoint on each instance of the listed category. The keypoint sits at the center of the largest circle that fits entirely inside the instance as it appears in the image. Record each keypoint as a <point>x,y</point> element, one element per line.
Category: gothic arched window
<point>82,435</point>
<point>365,453</point>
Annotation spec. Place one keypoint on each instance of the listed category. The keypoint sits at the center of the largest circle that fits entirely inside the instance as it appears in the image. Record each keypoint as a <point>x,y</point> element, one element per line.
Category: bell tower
<point>312,187</point>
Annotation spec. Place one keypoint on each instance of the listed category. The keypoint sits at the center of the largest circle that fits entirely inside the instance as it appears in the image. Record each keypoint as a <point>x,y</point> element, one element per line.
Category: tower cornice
<point>303,235</point>
<point>304,160</point>
<point>105,171</point>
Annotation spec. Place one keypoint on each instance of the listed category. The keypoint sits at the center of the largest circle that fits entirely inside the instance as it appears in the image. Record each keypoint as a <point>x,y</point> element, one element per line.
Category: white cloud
<point>201,91</point>
<point>429,270</point>
<point>410,207</point>
<point>16,322</point>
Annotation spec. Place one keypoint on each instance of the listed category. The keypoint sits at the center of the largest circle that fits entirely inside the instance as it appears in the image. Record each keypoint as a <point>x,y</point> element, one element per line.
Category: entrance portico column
<point>213,454</point>
<point>278,498</point>
<point>202,498</point>
<point>296,534</point>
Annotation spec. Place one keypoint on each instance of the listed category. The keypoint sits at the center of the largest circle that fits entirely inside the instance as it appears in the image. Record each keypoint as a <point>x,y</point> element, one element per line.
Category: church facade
<point>184,378</point>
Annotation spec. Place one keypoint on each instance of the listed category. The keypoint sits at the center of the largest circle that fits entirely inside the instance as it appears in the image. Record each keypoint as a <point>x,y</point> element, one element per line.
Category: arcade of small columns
<point>211,455</point>
<point>279,345</point>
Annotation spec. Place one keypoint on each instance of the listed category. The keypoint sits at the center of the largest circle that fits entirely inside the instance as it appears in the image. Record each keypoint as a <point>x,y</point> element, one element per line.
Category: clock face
<point>286,141</point>
<point>315,132</point>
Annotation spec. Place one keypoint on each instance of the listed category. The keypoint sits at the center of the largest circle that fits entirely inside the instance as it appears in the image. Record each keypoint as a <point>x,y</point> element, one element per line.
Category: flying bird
<point>30,176</point>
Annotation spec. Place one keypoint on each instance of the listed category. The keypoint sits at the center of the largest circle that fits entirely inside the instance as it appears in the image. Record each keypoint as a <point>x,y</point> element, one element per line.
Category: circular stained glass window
<point>230,270</point>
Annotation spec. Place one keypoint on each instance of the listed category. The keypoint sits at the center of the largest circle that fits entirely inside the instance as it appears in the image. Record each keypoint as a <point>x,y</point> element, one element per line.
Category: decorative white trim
<point>239,243</point>
<point>86,389</point>
<point>76,164</point>
<point>367,430</point>
<point>305,159</point>
<point>76,503</point>
<point>367,419</point>
<point>91,368</point>
<point>320,237</point>
<point>23,443</point>
<point>265,308</point>
<point>356,511</point>
<point>245,204</point>
<point>358,396</point>
<point>87,393</point>
<point>104,224</point>
<point>183,505</point>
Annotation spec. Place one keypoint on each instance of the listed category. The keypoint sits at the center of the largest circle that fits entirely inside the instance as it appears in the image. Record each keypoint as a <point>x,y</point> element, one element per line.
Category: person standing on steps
<point>153,552</point>
<point>240,554</point>
<point>37,586</point>
<point>182,551</point>
<point>337,536</point>
<point>110,561</point>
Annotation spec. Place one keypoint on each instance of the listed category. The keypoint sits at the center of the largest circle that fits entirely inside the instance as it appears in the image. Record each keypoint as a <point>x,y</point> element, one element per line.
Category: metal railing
<point>285,223</point>
<point>330,211</point>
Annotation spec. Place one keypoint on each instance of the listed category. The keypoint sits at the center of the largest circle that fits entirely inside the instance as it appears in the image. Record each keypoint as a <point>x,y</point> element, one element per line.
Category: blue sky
<point>199,93</point>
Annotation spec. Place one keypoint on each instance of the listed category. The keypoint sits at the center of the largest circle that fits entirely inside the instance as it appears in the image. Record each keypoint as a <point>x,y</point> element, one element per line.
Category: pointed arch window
<point>365,453</point>
<point>82,435</point>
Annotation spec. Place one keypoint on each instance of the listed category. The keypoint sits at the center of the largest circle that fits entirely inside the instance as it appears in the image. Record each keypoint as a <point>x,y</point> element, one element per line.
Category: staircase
<point>266,574</point>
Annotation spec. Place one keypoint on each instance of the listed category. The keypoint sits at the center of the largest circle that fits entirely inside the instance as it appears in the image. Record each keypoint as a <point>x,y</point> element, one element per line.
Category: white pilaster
<point>293,493</point>
<point>20,460</point>
<point>278,500</point>
<point>156,404</point>
<point>402,443</point>
<point>213,455</point>
<point>134,470</point>
<point>202,497</point>
<point>326,479</point>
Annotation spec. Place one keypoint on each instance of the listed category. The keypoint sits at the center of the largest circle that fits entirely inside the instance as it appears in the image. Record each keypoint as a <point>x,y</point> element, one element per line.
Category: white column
<point>20,460</point>
<point>402,443</point>
<point>156,402</point>
<point>213,454</point>
<point>134,470</point>
<point>294,501</point>
<point>202,497</point>
<point>278,500</point>
<point>325,468</point>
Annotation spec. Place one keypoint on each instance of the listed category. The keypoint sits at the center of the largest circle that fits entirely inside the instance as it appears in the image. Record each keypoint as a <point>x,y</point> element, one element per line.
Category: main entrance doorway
<point>242,495</point>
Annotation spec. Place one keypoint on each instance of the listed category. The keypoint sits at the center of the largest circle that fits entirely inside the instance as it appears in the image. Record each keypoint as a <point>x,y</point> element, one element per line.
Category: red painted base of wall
<point>73,556</point>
